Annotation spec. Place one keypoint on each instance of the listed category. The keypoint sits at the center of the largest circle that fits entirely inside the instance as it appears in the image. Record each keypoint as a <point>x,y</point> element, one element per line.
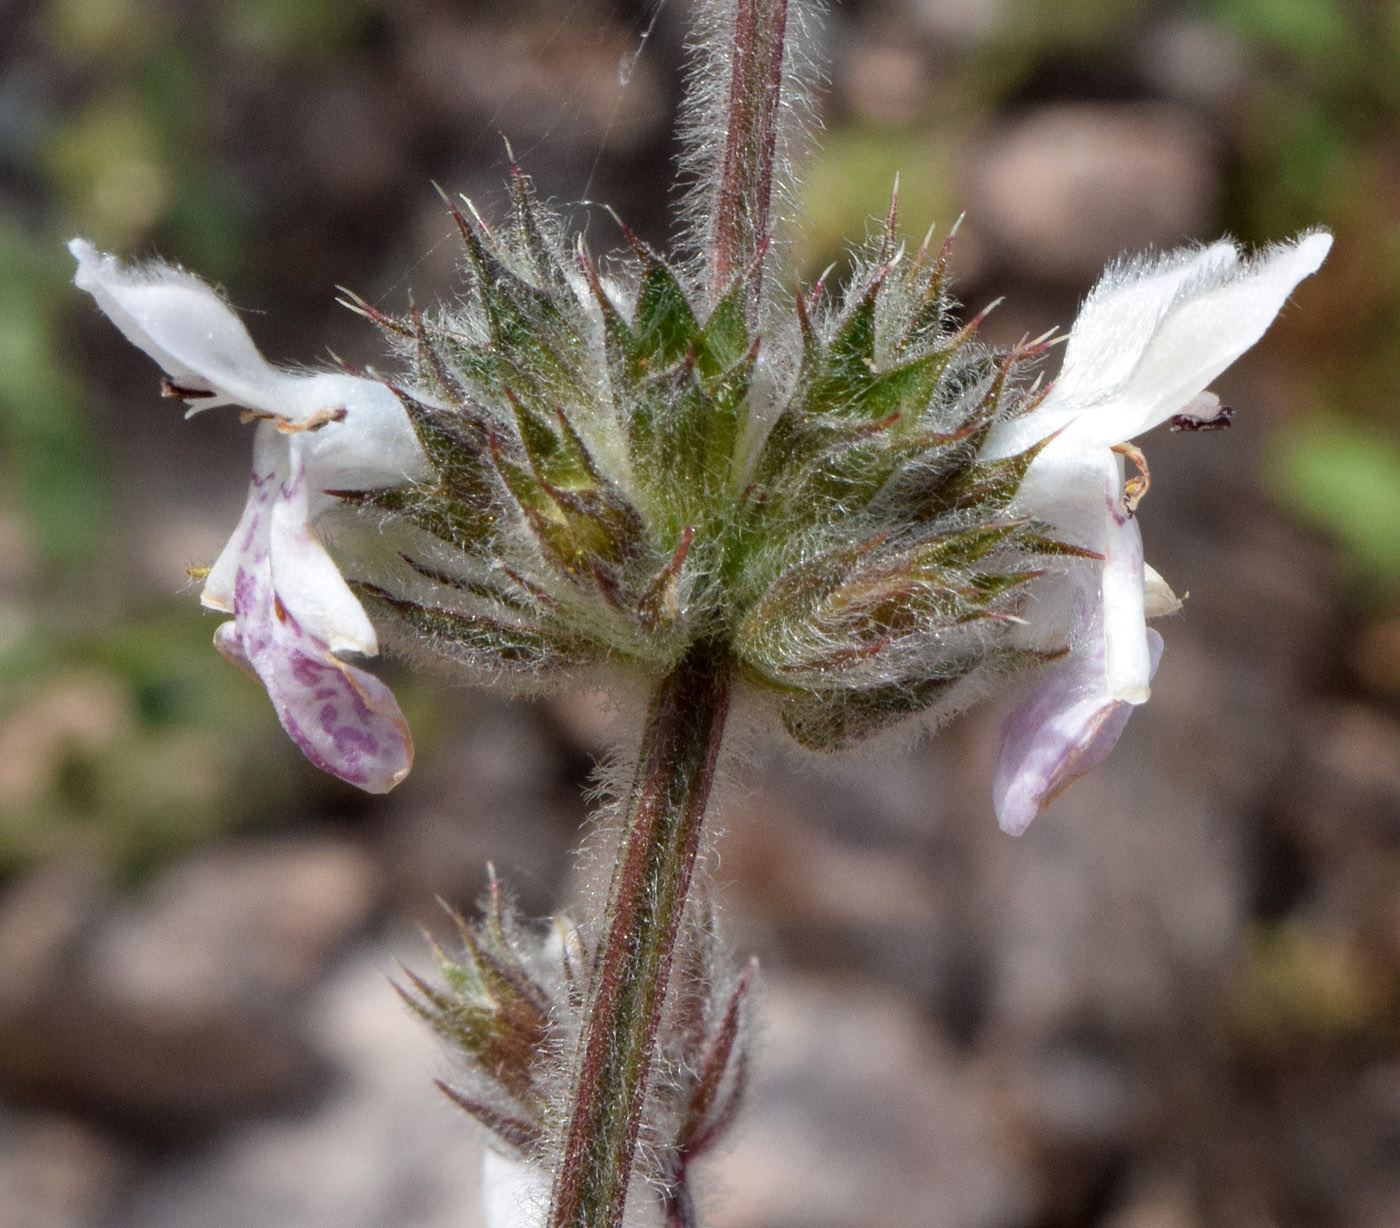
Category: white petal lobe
<point>293,611</point>
<point>1150,338</point>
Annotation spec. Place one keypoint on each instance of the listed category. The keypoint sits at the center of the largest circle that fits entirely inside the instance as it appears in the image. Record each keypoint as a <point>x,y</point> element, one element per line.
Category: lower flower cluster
<point>512,1006</point>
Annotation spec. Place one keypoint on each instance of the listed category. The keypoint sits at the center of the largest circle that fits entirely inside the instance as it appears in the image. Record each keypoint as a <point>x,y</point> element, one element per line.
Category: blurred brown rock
<point>1376,656</point>
<point>504,791</point>
<point>535,77</point>
<point>79,711</point>
<point>349,136</point>
<point>1195,61</point>
<point>176,1009</point>
<point>1340,804</point>
<point>859,1115</point>
<point>884,80</point>
<point>56,1172</point>
<point>1357,750</point>
<point>43,920</point>
<point>961,25</point>
<point>811,893</point>
<point>1060,190</point>
<point>1161,1202</point>
<point>380,1147</point>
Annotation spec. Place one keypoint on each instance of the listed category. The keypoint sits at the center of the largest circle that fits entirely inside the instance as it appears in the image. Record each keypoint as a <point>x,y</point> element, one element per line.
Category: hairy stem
<point>751,115</point>
<point>677,1207</point>
<point>646,905</point>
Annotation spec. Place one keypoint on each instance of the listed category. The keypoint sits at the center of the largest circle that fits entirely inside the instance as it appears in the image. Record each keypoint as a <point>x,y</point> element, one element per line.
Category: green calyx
<point>625,467</point>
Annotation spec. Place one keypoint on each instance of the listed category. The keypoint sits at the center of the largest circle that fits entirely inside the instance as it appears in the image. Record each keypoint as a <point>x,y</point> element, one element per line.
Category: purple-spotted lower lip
<point>343,719</point>
<point>345,734</point>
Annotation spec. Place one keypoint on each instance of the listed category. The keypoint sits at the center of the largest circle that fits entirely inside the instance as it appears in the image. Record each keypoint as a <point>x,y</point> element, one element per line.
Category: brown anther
<point>1136,486</point>
<point>169,388</point>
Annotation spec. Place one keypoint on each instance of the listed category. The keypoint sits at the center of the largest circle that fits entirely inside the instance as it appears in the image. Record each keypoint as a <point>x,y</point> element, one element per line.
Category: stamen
<point>1205,413</point>
<point>169,388</point>
<point>1137,485</point>
<point>322,417</point>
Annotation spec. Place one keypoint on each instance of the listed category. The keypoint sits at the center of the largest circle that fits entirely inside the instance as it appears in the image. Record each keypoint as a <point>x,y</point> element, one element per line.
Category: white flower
<point>1151,336</point>
<point>293,612</point>
<point>514,1194</point>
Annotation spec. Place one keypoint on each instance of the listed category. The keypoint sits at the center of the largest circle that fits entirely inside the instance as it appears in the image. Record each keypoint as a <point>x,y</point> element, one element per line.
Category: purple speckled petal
<point>1062,729</point>
<point>254,526</point>
<point>344,720</point>
<point>293,611</point>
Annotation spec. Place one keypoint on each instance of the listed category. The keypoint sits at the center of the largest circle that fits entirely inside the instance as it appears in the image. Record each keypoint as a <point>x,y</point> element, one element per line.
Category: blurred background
<point>1174,1004</point>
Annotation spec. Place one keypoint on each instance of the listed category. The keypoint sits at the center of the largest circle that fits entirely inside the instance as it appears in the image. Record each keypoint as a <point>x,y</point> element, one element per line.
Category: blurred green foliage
<point>52,468</point>
<point>1318,146</point>
<point>131,745</point>
<point>123,735</point>
<point>1299,985</point>
<point>297,30</point>
<point>135,156</point>
<point>136,743</point>
<point>1302,28</point>
<point>851,181</point>
<point>1342,475</point>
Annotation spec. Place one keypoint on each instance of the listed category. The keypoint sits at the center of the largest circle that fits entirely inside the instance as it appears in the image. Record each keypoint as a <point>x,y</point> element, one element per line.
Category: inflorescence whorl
<point>621,468</point>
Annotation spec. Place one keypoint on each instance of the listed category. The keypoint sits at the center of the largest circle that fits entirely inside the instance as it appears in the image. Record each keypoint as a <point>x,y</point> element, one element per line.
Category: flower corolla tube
<point>1152,334</point>
<point>294,615</point>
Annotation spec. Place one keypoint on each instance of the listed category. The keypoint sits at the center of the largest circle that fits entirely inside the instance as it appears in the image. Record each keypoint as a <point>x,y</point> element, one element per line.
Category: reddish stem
<point>646,906</point>
<point>751,139</point>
